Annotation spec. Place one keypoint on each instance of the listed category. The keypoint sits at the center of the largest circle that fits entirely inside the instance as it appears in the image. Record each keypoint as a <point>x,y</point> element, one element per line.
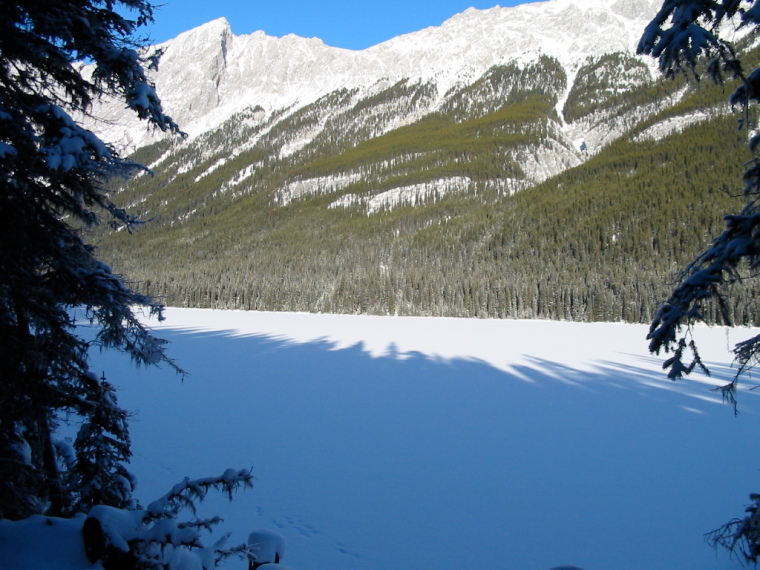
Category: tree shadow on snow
<point>323,361</point>
<point>453,452</point>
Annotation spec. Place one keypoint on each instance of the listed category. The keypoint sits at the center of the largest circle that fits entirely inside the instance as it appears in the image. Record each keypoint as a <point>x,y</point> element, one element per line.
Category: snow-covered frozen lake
<point>422,443</point>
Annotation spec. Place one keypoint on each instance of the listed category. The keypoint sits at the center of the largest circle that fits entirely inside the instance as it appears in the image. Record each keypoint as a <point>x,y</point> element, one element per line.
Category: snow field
<point>399,442</point>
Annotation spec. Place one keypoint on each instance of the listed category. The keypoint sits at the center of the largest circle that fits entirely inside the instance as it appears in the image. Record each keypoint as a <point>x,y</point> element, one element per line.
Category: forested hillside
<point>379,205</point>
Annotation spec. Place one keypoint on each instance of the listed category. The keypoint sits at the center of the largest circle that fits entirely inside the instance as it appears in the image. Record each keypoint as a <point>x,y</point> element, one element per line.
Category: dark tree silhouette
<point>686,36</point>
<point>52,173</point>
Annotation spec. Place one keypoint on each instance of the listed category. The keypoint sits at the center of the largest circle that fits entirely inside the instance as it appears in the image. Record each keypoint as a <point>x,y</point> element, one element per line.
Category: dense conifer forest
<point>278,224</point>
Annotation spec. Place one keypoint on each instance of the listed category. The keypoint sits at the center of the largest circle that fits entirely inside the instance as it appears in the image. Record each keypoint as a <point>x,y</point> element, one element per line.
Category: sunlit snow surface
<point>420,443</point>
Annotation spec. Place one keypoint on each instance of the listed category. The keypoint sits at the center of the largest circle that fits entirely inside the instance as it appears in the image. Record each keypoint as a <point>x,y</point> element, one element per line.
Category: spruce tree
<point>102,448</point>
<point>53,173</point>
<point>686,36</point>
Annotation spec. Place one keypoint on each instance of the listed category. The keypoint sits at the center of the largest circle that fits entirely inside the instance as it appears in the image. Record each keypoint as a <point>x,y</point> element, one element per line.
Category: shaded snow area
<point>421,443</point>
<point>43,543</point>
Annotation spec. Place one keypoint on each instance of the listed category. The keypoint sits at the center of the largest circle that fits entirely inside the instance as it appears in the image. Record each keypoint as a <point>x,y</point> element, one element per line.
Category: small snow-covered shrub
<point>154,538</point>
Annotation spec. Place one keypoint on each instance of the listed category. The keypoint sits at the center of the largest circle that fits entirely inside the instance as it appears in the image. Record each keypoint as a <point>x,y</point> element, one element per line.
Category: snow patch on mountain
<point>235,182</point>
<point>541,163</point>
<point>416,194</point>
<point>598,130</point>
<point>410,195</point>
<point>314,186</point>
<point>210,169</point>
<point>674,125</point>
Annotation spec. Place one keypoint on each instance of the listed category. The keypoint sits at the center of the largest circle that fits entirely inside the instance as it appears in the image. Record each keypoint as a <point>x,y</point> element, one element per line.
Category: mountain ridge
<point>230,73</point>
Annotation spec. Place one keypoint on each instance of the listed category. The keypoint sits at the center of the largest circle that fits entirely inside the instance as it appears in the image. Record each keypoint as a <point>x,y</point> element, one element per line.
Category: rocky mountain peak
<point>208,74</point>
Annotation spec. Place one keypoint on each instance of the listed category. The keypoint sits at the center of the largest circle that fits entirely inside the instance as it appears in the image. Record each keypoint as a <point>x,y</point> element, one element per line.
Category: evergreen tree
<point>102,446</point>
<point>686,36</point>
<point>52,173</point>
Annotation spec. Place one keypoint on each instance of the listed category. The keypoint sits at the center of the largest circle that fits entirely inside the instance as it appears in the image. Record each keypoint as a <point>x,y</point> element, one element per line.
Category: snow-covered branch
<point>154,538</point>
<point>188,491</point>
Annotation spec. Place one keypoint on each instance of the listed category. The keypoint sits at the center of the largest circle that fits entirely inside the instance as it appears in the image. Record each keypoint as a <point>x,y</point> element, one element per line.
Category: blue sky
<point>340,23</point>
